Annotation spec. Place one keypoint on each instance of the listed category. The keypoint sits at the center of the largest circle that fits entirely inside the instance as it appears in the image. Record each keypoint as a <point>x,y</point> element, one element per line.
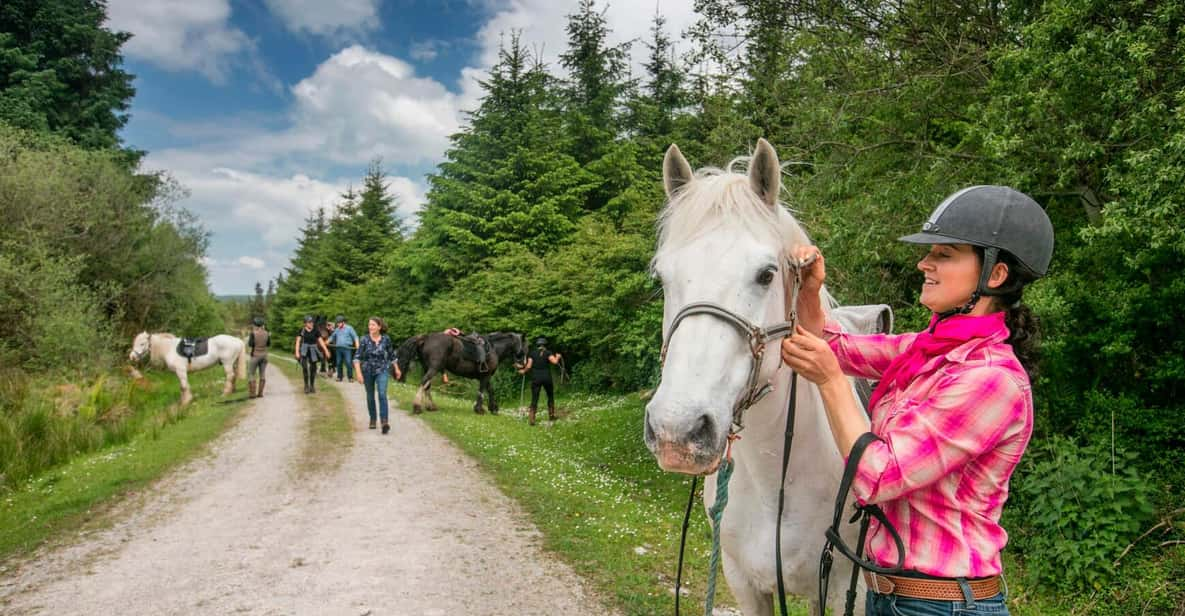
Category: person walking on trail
<point>310,348</point>
<point>953,411</point>
<point>539,363</point>
<point>344,340</point>
<point>257,343</point>
<point>373,365</point>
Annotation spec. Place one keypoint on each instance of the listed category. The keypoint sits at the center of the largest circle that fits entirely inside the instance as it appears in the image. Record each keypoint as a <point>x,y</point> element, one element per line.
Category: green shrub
<point>1078,509</point>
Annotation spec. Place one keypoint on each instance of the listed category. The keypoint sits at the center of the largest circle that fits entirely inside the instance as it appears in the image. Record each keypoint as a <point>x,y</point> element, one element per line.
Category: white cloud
<point>325,18</point>
<point>426,51</point>
<point>251,262</point>
<point>181,35</point>
<point>359,104</point>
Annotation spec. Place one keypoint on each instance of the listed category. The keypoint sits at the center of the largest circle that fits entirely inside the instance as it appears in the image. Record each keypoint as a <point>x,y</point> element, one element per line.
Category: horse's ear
<point>675,171</point>
<point>765,173</point>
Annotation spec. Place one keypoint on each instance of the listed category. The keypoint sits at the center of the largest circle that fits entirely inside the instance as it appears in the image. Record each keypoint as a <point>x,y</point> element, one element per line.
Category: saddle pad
<point>872,319</point>
<point>193,347</point>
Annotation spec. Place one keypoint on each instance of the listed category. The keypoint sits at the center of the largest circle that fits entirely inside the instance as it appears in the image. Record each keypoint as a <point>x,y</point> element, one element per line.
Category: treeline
<point>91,251</point>
<point>541,217</point>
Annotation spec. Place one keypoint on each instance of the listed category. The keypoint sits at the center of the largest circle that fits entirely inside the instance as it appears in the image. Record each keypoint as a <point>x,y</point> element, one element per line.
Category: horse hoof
<point>416,410</point>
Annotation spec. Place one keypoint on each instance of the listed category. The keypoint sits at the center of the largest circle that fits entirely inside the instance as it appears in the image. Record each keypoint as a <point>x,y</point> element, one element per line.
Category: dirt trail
<point>406,525</point>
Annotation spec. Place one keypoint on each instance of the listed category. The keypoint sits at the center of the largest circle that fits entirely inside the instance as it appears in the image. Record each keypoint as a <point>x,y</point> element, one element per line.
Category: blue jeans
<point>379,382</point>
<point>344,355</point>
<point>892,605</point>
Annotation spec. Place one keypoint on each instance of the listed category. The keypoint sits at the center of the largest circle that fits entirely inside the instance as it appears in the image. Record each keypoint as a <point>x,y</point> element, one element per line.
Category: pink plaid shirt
<point>951,439</point>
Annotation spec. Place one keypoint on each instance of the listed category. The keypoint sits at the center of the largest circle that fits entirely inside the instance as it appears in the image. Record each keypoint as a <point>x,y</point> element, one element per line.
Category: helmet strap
<point>991,255</point>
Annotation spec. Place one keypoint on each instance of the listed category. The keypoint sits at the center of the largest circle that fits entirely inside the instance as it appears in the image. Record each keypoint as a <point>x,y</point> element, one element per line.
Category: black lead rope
<point>787,443</point>
<point>864,513</point>
<point>683,543</point>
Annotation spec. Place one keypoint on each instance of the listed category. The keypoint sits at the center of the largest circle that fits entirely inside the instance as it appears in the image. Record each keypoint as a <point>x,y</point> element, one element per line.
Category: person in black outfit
<point>539,364</point>
<point>310,348</point>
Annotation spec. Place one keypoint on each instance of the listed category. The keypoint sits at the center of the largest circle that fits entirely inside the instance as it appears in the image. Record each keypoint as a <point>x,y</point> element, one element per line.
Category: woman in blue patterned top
<point>372,365</point>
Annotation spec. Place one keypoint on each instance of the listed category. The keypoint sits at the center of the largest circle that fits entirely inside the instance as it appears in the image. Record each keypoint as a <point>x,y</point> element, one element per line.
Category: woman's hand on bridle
<point>810,356</point>
<point>815,272</point>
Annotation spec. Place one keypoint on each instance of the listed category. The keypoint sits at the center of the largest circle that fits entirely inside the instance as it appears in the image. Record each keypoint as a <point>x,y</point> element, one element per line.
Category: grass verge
<point>593,490</point>
<point>328,431</point>
<point>76,493</point>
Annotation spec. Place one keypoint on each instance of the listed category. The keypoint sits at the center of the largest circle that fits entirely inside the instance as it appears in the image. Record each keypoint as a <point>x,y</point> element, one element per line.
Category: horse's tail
<point>241,362</point>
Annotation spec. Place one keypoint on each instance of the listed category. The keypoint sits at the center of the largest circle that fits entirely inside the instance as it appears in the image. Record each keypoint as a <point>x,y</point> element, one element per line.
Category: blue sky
<point>266,109</point>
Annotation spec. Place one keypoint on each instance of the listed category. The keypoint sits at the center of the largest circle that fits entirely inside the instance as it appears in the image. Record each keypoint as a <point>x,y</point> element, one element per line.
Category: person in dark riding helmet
<point>953,411</point>
<point>257,344</point>
<point>310,348</point>
<point>539,363</point>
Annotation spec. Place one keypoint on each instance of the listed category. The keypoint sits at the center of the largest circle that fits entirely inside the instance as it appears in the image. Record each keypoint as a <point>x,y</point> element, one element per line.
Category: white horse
<point>162,350</point>
<point>725,238</point>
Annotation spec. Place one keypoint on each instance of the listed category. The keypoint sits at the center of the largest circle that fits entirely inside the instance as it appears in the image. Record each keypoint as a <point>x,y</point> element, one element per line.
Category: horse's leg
<point>481,385</point>
<point>182,373</point>
<point>752,601</point>
<point>417,405</point>
<point>493,403</point>
<point>228,366</point>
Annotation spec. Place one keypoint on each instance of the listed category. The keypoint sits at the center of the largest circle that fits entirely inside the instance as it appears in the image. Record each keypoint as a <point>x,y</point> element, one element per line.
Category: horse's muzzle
<point>692,452</point>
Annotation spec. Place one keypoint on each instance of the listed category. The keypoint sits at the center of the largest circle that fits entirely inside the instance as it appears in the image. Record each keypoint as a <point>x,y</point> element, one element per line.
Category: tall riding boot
<point>551,412</point>
<point>531,415</point>
<point>250,389</point>
<point>259,393</point>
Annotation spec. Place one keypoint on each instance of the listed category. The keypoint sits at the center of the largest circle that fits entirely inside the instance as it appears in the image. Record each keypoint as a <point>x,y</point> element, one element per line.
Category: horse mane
<point>722,197</point>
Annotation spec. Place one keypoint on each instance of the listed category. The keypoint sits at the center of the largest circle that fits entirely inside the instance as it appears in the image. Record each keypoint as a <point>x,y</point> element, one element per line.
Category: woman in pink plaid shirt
<point>953,410</point>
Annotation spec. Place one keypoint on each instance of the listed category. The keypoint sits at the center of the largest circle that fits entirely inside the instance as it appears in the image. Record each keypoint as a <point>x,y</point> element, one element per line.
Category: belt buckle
<point>876,584</point>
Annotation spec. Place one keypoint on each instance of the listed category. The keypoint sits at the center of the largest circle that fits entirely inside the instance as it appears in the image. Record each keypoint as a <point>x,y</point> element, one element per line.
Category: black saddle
<point>190,348</point>
<point>475,348</point>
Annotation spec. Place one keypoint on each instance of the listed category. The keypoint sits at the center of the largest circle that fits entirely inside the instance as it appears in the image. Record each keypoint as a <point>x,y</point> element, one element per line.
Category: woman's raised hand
<point>814,272</point>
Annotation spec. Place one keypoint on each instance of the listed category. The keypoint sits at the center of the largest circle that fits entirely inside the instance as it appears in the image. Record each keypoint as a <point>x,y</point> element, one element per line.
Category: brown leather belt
<point>941,590</point>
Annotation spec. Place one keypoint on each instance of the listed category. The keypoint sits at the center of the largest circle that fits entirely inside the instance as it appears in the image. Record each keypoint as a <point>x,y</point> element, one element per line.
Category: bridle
<point>757,337</point>
<point>147,350</point>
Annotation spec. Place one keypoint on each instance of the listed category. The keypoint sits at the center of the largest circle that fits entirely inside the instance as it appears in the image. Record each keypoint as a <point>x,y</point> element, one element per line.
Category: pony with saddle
<point>730,296</point>
<point>184,355</point>
<point>460,355</point>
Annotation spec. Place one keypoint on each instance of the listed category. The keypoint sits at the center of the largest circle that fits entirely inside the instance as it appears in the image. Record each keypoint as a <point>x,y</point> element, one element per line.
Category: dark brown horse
<point>439,352</point>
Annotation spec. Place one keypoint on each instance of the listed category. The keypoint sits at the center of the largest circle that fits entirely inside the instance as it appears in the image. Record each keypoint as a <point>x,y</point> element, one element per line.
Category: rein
<point>758,337</point>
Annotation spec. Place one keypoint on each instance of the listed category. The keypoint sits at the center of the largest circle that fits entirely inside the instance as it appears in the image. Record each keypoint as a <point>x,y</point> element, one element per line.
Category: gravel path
<point>405,525</point>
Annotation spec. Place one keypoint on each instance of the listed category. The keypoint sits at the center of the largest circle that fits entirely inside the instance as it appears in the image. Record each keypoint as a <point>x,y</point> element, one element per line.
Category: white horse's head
<point>723,238</point>
<point>140,347</point>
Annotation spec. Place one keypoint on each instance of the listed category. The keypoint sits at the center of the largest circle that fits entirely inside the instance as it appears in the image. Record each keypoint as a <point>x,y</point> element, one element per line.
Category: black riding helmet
<point>258,321</point>
<point>309,319</point>
<point>995,218</point>
<point>540,341</point>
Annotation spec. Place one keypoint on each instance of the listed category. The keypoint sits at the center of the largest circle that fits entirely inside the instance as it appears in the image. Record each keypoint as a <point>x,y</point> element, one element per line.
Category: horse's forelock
<point>717,198</point>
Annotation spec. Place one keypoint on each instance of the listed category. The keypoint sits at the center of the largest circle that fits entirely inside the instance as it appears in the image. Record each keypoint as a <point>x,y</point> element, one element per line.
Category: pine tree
<point>60,71</point>
<point>507,183</point>
<point>595,82</point>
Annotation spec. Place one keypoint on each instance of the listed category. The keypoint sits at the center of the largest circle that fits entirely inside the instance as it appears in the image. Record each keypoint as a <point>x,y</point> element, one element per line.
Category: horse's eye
<point>765,277</point>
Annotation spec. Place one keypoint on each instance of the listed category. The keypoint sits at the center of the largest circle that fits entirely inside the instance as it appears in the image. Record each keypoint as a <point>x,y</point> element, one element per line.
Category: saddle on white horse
<point>189,348</point>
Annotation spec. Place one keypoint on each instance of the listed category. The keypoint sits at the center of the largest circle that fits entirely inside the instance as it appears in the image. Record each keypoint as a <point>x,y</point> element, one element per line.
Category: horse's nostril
<point>648,429</point>
<point>704,430</point>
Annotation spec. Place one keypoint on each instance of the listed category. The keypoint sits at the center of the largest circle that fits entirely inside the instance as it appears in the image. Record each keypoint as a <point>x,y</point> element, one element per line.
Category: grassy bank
<point>156,436</point>
<point>593,490</point>
<point>328,431</point>
<point>597,495</point>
